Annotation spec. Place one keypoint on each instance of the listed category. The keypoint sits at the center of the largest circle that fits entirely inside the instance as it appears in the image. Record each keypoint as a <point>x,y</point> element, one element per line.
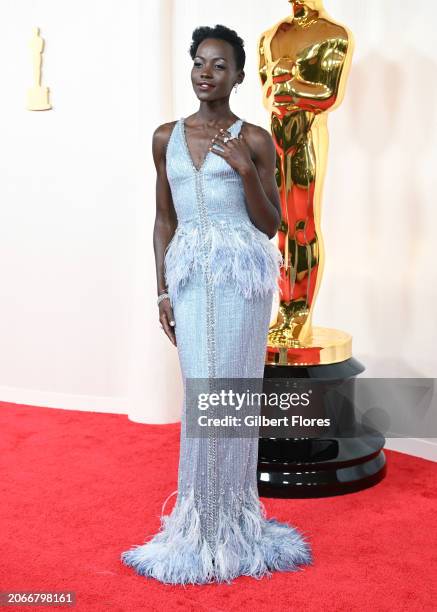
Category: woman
<point>217,270</point>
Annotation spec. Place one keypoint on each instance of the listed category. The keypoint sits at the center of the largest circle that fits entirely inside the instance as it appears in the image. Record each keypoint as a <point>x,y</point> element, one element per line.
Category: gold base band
<point>325,345</point>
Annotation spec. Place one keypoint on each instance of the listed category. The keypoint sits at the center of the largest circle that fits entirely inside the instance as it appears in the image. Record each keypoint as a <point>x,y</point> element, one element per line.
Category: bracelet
<point>162,296</point>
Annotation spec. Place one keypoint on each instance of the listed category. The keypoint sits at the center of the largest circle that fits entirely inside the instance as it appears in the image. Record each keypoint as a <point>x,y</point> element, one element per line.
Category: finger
<point>165,307</point>
<point>169,330</point>
<point>226,140</point>
<point>220,147</point>
<point>222,133</point>
<point>220,138</point>
<point>170,316</point>
<point>218,152</point>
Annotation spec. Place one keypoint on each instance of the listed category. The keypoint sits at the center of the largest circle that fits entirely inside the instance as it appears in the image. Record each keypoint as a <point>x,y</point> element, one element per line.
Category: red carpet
<point>79,488</point>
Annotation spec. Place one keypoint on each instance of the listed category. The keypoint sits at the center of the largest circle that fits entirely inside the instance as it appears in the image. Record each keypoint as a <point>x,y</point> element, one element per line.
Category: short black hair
<point>223,33</point>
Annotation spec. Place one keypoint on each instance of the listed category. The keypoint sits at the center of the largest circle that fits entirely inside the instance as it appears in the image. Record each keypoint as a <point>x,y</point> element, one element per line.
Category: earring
<point>235,88</point>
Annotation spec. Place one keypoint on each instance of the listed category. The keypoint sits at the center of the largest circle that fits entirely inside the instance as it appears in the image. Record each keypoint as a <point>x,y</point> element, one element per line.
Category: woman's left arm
<point>254,158</point>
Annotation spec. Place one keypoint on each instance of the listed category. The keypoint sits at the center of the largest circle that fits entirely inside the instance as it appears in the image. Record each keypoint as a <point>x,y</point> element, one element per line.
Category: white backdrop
<point>78,324</point>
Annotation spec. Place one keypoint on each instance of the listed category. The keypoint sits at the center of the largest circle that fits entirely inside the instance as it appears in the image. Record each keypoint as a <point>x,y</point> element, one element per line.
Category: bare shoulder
<point>258,138</point>
<point>163,131</point>
<point>160,139</point>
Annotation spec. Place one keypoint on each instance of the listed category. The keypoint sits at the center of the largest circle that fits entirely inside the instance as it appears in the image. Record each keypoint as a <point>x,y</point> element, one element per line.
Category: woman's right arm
<point>165,223</point>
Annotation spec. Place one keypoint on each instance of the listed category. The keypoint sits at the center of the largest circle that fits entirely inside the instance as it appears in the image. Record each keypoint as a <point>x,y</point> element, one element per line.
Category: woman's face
<point>214,72</point>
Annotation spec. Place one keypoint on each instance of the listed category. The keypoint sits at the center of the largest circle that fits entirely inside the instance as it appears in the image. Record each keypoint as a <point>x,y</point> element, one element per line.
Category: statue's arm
<point>317,74</point>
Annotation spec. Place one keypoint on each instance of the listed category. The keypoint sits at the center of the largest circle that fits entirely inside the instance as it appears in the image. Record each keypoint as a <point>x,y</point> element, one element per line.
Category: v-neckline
<point>184,138</point>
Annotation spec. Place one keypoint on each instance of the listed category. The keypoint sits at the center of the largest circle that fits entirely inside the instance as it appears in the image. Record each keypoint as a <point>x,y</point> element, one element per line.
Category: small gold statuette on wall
<point>37,96</point>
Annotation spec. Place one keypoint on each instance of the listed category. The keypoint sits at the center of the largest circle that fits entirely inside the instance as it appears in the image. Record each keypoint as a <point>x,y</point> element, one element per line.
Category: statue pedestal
<point>38,98</point>
<point>319,467</point>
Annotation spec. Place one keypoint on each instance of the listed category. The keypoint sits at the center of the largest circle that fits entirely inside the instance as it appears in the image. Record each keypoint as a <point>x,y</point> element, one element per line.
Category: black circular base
<point>319,467</point>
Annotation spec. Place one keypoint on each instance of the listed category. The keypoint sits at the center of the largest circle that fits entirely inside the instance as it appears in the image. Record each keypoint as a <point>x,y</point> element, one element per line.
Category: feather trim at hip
<point>237,252</point>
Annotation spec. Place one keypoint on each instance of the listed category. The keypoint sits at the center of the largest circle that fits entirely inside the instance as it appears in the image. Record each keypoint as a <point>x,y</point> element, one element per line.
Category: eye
<point>221,66</point>
<point>197,63</point>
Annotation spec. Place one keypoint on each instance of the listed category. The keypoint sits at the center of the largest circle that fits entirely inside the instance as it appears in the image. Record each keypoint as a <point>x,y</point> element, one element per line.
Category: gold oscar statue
<point>304,62</point>
<point>37,96</point>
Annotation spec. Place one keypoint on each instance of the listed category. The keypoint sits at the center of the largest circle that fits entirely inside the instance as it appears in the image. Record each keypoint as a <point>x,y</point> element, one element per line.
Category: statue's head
<point>218,61</point>
<point>314,5</point>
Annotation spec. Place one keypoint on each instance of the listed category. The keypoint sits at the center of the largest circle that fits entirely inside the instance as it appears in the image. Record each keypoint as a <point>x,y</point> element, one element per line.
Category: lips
<point>205,86</point>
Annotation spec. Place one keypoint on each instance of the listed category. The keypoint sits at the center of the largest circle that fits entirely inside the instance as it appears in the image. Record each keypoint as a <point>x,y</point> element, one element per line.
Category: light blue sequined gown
<point>221,273</point>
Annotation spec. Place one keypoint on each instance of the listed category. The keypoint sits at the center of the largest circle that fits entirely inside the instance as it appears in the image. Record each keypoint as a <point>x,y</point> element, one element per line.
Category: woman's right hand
<point>166,319</point>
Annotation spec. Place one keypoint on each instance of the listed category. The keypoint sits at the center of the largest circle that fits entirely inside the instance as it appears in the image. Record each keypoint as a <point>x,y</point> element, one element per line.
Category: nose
<point>205,73</point>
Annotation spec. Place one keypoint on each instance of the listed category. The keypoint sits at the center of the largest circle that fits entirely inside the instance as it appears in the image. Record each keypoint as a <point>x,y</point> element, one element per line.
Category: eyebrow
<point>218,57</point>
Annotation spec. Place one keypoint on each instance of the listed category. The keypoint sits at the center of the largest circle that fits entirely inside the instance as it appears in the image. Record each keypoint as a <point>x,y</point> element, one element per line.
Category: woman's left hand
<point>235,150</point>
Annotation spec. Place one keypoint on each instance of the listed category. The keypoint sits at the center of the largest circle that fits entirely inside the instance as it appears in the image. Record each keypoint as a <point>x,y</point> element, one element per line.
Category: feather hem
<point>248,544</point>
